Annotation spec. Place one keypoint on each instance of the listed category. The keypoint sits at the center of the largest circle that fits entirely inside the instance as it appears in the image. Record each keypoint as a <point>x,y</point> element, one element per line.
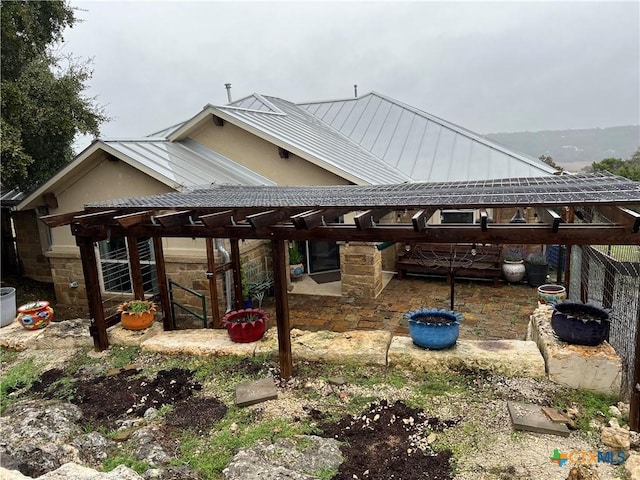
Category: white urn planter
<point>513,272</point>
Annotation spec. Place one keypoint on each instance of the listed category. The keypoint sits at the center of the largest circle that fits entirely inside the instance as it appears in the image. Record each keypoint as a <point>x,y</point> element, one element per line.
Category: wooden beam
<point>484,220</point>
<point>497,233</point>
<point>60,219</point>
<point>264,219</point>
<point>134,218</point>
<point>368,218</point>
<point>555,218</point>
<point>219,219</point>
<point>94,297</point>
<point>213,283</point>
<point>97,218</point>
<point>621,216</point>
<point>174,218</point>
<point>314,218</point>
<point>420,219</point>
<point>280,273</point>
<point>163,284</point>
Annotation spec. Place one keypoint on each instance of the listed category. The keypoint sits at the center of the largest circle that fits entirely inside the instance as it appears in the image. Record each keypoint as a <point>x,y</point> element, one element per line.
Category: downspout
<point>227,275</point>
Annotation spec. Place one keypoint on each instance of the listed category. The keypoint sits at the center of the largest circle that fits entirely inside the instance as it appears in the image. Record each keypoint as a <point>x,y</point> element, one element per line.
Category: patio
<point>490,313</point>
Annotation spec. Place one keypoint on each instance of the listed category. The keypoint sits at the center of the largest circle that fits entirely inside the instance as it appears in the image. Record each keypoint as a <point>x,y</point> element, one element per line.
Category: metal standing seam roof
<point>421,145</point>
<point>186,163</point>
<point>295,128</point>
<point>581,189</point>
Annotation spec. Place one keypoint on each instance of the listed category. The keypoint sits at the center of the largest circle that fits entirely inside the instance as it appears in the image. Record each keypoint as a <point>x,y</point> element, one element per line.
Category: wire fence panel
<point>609,276</point>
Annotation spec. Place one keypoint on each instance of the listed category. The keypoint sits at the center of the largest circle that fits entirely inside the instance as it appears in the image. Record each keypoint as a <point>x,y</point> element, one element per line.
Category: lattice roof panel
<point>580,189</point>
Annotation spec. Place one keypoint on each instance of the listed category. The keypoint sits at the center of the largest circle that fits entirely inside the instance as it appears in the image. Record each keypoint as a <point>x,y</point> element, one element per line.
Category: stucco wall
<point>262,156</point>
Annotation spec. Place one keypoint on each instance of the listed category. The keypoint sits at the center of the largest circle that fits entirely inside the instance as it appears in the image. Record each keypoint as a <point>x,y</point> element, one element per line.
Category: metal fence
<point>609,276</point>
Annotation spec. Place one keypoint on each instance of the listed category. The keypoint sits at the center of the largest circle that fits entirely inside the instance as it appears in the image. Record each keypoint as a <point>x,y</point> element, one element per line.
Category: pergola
<point>280,214</point>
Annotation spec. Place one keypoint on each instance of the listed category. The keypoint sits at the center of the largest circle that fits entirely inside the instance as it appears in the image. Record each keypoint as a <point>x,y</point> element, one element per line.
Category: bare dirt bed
<point>385,438</point>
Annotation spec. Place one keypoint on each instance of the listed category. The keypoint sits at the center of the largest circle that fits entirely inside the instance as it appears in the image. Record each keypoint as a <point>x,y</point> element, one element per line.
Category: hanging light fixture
<point>517,218</point>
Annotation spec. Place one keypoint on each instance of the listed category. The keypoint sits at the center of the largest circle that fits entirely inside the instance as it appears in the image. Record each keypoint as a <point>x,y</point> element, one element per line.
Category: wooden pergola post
<point>213,284</point>
<point>237,274</point>
<point>282,308</point>
<point>163,284</point>
<point>98,327</point>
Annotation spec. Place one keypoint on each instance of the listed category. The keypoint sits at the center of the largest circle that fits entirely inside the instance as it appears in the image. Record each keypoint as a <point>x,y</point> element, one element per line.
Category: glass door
<point>322,256</point>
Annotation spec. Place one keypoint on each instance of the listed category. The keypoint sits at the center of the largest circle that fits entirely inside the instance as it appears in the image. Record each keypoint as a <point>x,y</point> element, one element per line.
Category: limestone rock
<point>510,358</point>
<point>291,458</point>
<point>6,474</point>
<point>78,472</point>
<point>35,436</point>
<point>93,448</point>
<point>147,447</point>
<point>15,337</point>
<point>361,347</point>
<point>583,472</point>
<point>197,342</point>
<point>598,369</point>
<point>66,334</point>
<point>615,437</point>
<point>132,338</point>
<point>632,466</point>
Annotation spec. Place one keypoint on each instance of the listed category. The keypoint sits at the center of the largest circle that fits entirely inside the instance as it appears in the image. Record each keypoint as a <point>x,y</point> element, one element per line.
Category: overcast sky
<point>489,67</point>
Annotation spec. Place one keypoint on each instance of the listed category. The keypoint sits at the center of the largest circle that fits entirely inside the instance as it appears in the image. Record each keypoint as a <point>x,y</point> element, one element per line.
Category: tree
<point>629,168</point>
<point>549,161</point>
<point>43,106</point>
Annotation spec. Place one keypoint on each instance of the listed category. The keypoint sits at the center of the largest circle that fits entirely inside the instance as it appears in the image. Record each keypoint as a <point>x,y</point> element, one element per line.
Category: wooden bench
<point>445,259</point>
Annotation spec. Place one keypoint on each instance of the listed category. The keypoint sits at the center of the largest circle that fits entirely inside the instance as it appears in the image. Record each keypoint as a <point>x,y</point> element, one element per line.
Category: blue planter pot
<point>432,328</point>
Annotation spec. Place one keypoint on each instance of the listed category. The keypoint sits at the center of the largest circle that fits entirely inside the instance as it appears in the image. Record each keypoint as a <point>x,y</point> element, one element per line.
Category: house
<point>257,140</point>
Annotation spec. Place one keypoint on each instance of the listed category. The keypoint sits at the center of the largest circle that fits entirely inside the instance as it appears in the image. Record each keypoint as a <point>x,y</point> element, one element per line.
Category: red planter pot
<point>247,325</point>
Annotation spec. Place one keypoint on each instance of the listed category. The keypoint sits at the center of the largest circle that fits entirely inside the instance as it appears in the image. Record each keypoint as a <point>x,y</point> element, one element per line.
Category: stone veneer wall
<point>360,269</point>
<point>34,262</point>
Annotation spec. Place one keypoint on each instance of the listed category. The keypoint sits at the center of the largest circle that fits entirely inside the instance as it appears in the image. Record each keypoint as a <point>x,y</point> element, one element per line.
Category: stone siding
<point>361,269</point>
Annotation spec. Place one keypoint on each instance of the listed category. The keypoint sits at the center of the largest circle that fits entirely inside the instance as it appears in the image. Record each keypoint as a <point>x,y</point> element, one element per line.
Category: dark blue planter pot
<point>432,328</point>
<point>580,324</point>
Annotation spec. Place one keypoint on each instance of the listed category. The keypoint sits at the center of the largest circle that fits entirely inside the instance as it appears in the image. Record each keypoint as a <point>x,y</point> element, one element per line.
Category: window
<point>115,273</point>
<point>457,216</point>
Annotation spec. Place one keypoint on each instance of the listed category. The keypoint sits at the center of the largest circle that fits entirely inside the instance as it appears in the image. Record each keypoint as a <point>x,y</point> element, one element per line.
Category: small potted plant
<point>580,323</point>
<point>246,325</point>
<point>137,314</point>
<point>296,267</point>
<point>537,269</point>
<point>513,268</point>
<point>432,328</point>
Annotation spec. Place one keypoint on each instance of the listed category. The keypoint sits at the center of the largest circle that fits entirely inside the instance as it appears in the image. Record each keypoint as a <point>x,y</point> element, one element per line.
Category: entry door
<point>322,256</point>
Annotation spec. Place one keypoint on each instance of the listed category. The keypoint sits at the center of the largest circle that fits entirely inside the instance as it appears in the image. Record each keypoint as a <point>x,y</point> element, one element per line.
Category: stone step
<point>512,358</point>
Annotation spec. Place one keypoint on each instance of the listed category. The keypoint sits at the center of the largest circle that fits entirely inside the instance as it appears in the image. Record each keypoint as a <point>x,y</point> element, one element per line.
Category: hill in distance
<point>574,149</point>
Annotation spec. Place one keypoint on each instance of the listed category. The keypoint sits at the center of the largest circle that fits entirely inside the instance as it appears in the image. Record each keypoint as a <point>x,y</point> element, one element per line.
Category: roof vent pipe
<point>228,87</point>
<point>355,90</point>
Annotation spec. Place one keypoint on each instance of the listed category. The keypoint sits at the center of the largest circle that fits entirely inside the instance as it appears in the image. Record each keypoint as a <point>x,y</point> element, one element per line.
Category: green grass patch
<point>7,356</point>
<point>210,455</point>
<point>126,459</point>
<point>122,356</point>
<point>590,404</point>
<point>20,375</point>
